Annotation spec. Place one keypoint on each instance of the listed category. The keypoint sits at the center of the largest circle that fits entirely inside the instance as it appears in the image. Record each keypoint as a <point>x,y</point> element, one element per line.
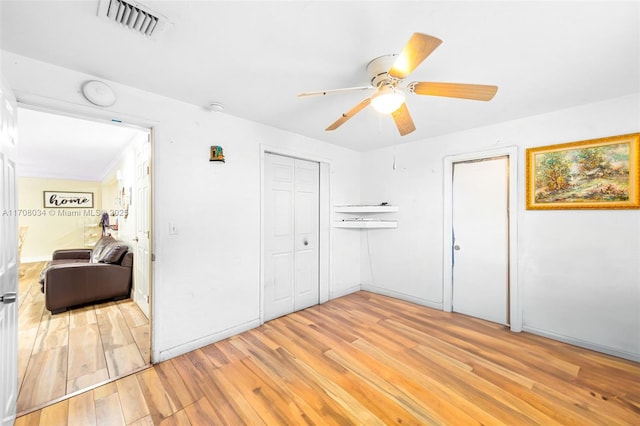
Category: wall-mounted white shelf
<point>365,209</point>
<point>367,222</point>
<point>376,224</point>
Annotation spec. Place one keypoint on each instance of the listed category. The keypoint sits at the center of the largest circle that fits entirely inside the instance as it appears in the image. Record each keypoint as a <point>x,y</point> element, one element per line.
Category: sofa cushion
<point>68,254</point>
<point>113,252</point>
<point>99,247</point>
<point>43,273</point>
<point>127,260</point>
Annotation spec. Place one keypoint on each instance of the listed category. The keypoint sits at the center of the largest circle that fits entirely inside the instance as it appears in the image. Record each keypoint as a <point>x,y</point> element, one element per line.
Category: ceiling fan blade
<point>347,115</point>
<point>478,92</point>
<point>332,91</point>
<point>403,120</point>
<point>415,51</point>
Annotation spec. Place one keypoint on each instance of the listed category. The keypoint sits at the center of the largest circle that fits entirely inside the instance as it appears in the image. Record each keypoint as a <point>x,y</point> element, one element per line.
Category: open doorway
<point>64,353</point>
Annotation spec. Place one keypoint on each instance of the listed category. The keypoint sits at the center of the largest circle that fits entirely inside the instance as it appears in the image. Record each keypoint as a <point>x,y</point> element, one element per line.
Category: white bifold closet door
<point>291,219</point>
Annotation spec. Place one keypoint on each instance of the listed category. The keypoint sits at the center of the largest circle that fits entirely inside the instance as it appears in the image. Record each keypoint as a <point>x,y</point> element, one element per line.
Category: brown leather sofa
<point>79,276</point>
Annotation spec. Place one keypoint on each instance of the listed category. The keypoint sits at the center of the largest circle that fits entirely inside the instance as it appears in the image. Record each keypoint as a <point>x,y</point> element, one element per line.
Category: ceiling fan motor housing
<point>378,71</point>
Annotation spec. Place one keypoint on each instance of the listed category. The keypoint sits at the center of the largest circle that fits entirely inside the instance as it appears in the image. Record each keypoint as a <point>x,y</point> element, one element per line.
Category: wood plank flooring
<point>368,359</point>
<point>71,351</point>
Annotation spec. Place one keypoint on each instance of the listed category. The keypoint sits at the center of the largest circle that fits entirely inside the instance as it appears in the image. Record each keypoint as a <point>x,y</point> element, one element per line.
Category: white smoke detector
<point>99,93</point>
<point>134,16</point>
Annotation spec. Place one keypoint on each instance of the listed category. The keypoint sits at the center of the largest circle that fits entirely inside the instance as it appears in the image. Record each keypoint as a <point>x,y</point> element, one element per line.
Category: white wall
<point>578,271</point>
<point>206,278</point>
<point>51,229</point>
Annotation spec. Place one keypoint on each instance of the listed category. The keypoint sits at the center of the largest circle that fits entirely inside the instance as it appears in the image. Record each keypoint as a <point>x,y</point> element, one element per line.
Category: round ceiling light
<point>388,99</point>
<point>98,93</point>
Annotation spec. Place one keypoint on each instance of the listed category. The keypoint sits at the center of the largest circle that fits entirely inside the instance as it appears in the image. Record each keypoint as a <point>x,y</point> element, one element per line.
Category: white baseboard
<point>173,352</point>
<point>165,354</point>
<point>32,259</point>
<point>344,292</point>
<point>583,343</point>
<point>402,296</point>
<point>169,353</point>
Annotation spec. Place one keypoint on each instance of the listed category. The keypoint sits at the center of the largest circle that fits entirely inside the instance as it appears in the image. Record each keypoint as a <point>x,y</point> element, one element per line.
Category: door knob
<point>456,247</point>
<point>136,239</point>
<point>8,298</point>
<point>305,242</point>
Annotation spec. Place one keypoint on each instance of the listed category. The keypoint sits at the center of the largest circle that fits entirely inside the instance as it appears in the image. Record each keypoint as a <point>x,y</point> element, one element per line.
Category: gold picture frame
<point>592,174</point>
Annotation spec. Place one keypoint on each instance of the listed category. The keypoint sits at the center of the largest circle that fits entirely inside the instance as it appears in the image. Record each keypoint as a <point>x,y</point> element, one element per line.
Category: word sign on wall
<point>69,200</point>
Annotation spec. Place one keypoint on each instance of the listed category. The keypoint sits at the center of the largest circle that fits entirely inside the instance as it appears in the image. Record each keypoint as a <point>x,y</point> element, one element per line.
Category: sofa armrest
<point>71,284</point>
<point>72,254</point>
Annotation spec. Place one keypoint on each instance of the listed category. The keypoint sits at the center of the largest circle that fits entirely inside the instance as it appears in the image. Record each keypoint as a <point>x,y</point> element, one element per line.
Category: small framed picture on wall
<point>216,153</point>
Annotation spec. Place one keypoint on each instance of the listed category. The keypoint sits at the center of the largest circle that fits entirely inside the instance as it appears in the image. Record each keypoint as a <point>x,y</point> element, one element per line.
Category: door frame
<point>324,228</point>
<point>515,308</point>
<point>65,109</point>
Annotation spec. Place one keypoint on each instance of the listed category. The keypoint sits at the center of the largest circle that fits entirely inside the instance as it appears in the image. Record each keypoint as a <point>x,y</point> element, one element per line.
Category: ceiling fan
<point>387,75</point>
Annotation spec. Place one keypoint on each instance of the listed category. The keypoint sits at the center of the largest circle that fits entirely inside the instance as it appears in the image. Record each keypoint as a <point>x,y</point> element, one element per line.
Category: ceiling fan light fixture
<point>388,99</point>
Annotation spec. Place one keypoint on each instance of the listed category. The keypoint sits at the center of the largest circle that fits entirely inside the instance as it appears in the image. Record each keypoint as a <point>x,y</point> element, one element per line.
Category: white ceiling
<point>254,57</point>
<point>55,146</point>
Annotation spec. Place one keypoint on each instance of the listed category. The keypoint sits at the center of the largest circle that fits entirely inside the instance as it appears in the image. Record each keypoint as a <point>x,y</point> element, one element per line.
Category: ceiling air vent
<point>133,15</point>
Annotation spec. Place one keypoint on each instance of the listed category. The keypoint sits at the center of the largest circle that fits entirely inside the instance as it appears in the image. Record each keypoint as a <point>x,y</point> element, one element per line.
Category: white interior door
<point>142,258</point>
<point>481,247</point>
<point>291,217</point>
<point>8,259</point>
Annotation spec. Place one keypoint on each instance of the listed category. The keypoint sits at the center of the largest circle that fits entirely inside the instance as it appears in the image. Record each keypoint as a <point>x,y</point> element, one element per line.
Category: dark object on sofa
<point>80,276</point>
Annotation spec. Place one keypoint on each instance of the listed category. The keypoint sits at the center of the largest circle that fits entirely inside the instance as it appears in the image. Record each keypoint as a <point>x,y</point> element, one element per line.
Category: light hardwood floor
<point>368,359</point>
<point>71,351</point>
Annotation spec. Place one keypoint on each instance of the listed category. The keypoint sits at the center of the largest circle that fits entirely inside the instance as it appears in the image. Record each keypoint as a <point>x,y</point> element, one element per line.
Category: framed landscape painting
<point>593,174</point>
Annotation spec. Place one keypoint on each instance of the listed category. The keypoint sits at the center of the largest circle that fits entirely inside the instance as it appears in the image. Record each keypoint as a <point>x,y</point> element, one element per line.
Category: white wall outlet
<point>173,228</point>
